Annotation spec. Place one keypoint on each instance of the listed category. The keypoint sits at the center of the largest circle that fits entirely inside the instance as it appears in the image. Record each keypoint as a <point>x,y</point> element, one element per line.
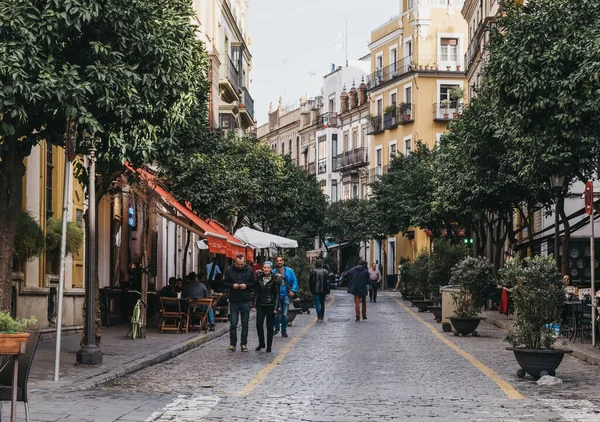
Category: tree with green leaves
<point>544,75</point>
<point>126,72</point>
<point>404,197</point>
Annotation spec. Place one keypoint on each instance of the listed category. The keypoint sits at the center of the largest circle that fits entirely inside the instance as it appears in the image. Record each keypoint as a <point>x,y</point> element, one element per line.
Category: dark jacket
<point>358,278</point>
<point>319,281</point>
<point>267,289</point>
<point>234,275</point>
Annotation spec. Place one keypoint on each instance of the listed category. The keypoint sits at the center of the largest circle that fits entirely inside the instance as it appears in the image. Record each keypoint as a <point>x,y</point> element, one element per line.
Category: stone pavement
<point>121,355</point>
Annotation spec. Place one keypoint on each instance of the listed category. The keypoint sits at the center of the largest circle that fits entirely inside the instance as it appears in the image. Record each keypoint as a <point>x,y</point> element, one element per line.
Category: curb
<point>115,372</point>
<point>581,354</point>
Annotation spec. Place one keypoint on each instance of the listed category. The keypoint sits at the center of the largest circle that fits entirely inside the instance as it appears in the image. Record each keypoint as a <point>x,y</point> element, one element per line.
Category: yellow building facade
<point>416,88</point>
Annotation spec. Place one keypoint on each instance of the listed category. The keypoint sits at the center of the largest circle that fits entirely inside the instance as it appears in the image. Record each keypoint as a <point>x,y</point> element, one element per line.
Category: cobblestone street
<point>389,367</point>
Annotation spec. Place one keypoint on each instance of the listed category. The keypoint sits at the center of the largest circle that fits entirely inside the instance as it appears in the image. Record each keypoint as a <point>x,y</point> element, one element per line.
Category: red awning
<point>235,246</point>
<point>218,243</point>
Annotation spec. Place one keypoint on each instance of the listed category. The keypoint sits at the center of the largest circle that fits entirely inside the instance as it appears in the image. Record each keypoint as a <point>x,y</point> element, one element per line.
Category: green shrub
<point>473,275</point>
<point>419,274</point>
<point>443,258</point>
<point>538,299</point>
<point>510,273</point>
<point>53,236</point>
<point>29,241</point>
<point>301,266</point>
<point>8,325</point>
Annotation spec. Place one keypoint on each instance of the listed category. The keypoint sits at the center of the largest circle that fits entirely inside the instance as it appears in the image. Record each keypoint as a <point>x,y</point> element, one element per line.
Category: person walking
<point>374,282</point>
<point>319,287</point>
<point>288,289</point>
<point>358,278</point>
<point>239,279</point>
<point>266,302</point>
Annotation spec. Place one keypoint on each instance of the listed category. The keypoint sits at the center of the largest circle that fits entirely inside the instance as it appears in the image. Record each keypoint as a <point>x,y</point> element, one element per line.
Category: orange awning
<point>235,245</point>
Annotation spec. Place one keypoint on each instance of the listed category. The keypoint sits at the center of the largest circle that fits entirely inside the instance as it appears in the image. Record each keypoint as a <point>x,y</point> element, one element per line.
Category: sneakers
<point>284,335</point>
<point>357,319</point>
<point>268,350</point>
<point>275,332</point>
<point>364,317</point>
<point>212,327</point>
<point>231,349</point>
<point>259,348</point>
<point>244,348</point>
<point>319,319</point>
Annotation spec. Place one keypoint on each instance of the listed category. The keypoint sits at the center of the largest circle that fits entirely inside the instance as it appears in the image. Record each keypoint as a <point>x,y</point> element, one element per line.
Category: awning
<point>235,246</point>
<point>217,242</point>
<point>262,240</point>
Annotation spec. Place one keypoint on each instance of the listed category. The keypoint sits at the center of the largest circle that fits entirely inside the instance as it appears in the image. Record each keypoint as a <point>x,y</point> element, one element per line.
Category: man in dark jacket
<point>239,279</point>
<point>319,287</point>
<point>358,279</point>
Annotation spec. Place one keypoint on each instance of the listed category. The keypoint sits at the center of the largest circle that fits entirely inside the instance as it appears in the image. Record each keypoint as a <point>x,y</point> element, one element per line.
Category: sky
<point>304,33</point>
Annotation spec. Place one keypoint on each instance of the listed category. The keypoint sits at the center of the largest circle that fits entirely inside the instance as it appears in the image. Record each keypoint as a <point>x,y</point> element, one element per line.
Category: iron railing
<point>230,72</point>
<point>373,174</point>
<point>446,111</point>
<point>248,102</point>
<point>328,120</point>
<point>357,157</point>
<point>413,63</point>
<point>375,125</point>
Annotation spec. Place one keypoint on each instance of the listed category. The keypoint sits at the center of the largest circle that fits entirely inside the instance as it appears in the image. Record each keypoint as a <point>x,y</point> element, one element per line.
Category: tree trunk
<point>11,185</point>
<point>566,236</point>
<point>185,251</point>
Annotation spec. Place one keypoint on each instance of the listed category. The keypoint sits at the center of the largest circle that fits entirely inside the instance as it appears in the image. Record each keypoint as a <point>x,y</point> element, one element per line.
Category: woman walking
<point>266,302</point>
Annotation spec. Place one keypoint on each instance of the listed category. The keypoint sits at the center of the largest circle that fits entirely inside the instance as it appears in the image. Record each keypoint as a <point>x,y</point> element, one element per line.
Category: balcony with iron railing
<point>375,125</point>
<point>373,174</point>
<point>349,160</point>
<point>229,80</point>
<point>446,111</point>
<point>402,115</point>
<point>422,63</point>
<point>247,107</point>
<point>327,120</point>
<point>479,39</point>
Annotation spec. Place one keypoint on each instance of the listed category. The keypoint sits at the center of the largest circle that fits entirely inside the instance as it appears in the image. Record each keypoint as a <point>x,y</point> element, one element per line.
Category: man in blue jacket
<point>287,291</point>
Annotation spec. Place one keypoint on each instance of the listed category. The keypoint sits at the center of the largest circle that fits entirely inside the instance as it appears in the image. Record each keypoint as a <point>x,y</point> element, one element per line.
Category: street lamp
<point>557,182</point>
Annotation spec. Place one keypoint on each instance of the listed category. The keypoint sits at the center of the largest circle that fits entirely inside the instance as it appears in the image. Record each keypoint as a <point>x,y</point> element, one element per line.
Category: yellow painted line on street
<point>504,385</point>
<point>263,373</point>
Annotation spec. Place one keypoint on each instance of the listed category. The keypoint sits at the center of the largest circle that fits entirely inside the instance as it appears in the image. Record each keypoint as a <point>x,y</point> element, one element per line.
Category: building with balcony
<point>223,28</point>
<point>481,17</point>
<point>416,88</point>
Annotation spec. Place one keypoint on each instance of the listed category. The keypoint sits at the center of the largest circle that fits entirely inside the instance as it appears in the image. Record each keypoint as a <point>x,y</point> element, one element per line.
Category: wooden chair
<point>198,311</point>
<point>221,308</point>
<point>171,315</point>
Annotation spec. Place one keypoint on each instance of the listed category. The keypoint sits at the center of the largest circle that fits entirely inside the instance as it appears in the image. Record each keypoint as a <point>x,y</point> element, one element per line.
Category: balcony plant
<point>53,240</point>
<point>456,94</point>
<point>473,275</point>
<point>374,121</point>
<point>538,298</point>
<point>29,241</point>
<point>405,109</point>
<point>13,335</point>
<point>389,116</point>
<point>445,105</point>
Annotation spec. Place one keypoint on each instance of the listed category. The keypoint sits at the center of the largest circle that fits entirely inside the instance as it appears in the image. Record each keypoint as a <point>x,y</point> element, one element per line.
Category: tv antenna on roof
<point>344,45</point>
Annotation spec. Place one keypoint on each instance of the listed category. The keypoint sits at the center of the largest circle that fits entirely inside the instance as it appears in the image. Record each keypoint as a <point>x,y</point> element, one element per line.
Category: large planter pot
<point>422,304</point>
<point>13,344</point>
<point>306,304</point>
<point>292,315</point>
<point>466,325</point>
<point>413,298</point>
<point>537,361</point>
<point>404,294</point>
<point>437,312</point>
<point>296,304</point>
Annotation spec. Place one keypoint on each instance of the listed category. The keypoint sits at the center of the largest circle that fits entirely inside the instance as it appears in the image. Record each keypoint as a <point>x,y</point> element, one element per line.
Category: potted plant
<point>374,121</point>
<point>538,298</point>
<point>405,109</point>
<point>445,105</point>
<point>473,275</point>
<point>301,265</point>
<point>29,241</point>
<point>13,335</point>
<point>456,94</point>
<point>389,115</point>
<point>419,274</point>
<point>53,240</point>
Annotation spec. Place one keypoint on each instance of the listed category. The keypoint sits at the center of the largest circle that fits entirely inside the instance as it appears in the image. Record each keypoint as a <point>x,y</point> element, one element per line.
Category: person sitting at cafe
<point>169,289</point>
<point>196,289</point>
<point>179,286</point>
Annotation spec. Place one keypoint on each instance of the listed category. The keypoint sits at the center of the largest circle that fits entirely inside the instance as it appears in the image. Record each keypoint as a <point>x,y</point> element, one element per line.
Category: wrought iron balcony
<point>229,79</point>
<point>428,63</point>
<point>375,125</point>
<point>327,120</point>
<point>348,160</point>
<point>446,111</point>
<point>248,103</point>
<point>373,174</point>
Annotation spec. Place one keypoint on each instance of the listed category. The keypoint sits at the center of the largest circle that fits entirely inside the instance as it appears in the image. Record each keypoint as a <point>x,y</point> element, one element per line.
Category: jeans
<point>357,301</point>
<point>237,308</point>
<point>284,306</point>
<point>373,292</point>
<point>320,304</point>
<point>261,313</point>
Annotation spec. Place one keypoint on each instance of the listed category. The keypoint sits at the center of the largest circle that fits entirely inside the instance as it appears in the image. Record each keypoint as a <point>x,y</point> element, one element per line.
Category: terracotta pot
<point>13,344</point>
